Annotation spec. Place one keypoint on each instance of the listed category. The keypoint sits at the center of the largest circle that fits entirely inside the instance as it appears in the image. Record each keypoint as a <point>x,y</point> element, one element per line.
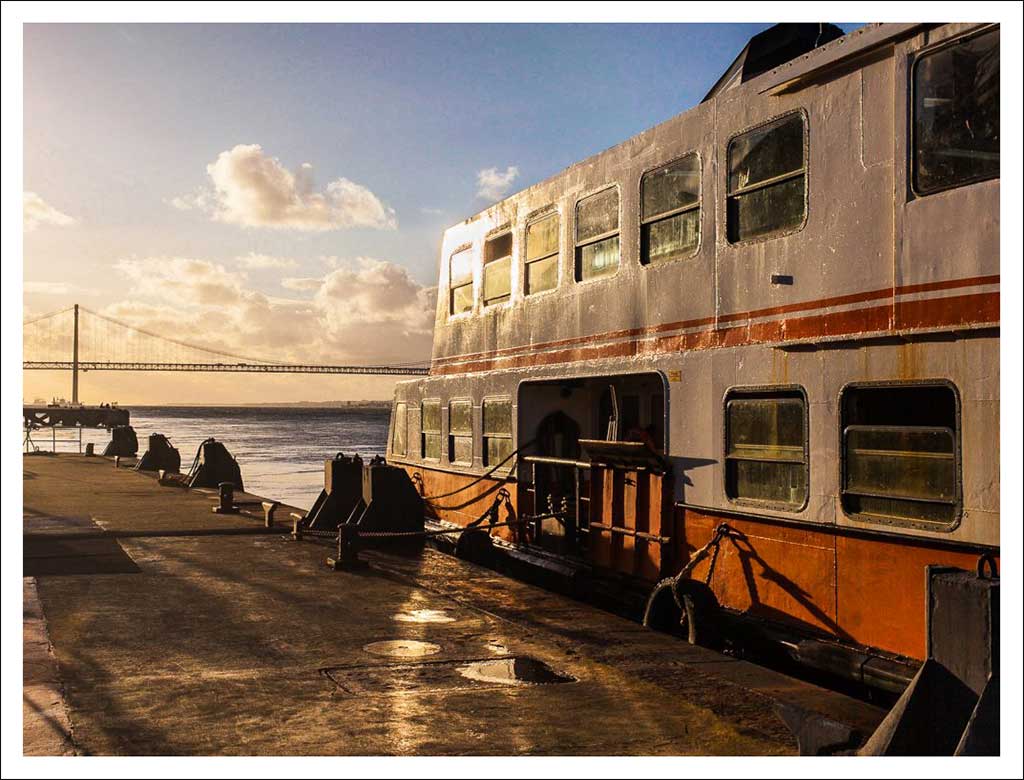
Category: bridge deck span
<point>248,368</point>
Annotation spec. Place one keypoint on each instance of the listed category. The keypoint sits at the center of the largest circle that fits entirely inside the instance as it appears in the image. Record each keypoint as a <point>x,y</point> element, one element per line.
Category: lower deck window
<point>399,442</point>
<point>900,454</point>
<point>766,450</point>
<point>497,431</point>
<point>430,430</point>
<point>460,432</point>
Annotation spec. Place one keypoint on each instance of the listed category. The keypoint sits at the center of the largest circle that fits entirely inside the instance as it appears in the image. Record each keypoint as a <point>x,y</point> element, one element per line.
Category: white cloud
<point>183,281</point>
<point>199,199</point>
<point>302,284</point>
<point>257,261</point>
<point>252,189</point>
<point>492,184</point>
<point>47,288</point>
<point>365,311</point>
<point>38,212</point>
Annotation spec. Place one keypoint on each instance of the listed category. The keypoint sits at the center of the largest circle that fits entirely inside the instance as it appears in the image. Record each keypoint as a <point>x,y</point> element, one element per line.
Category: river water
<point>280,450</point>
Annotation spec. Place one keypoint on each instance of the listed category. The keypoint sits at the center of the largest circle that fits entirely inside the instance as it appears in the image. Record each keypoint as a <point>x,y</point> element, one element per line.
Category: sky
<point>280,191</point>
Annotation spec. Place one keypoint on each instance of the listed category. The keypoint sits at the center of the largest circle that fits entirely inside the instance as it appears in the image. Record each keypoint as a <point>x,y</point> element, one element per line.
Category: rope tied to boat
<point>711,548</point>
<point>417,477</point>
<point>674,584</point>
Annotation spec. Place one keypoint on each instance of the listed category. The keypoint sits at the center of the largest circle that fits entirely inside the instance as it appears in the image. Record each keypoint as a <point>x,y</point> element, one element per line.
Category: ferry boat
<point>766,330</point>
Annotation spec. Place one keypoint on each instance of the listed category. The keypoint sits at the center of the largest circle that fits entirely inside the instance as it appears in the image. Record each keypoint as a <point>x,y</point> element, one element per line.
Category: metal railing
<point>31,444</point>
<point>574,517</point>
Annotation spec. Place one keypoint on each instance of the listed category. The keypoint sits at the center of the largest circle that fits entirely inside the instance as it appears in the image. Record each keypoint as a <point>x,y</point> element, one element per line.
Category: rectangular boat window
<point>497,430</point>
<point>542,254</point>
<point>956,114</point>
<point>597,235</point>
<point>900,454</point>
<point>399,442</point>
<point>460,432</point>
<point>767,184</point>
<point>497,269</point>
<point>766,452</point>
<point>670,211</point>
<point>430,429</point>
<point>460,281</point>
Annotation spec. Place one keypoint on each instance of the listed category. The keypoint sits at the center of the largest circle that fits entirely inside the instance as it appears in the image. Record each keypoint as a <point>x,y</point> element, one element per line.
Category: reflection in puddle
<point>497,647</point>
<point>424,616</point>
<point>519,670</point>
<point>403,648</point>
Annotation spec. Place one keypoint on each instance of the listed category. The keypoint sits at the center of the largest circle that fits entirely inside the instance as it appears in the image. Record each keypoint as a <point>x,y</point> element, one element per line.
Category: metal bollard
<point>297,526</point>
<point>117,461</point>
<point>226,494</point>
<point>348,549</point>
<point>269,508</point>
<point>161,475</point>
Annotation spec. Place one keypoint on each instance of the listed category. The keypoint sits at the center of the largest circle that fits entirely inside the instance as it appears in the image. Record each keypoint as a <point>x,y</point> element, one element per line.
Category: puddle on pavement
<point>402,648</point>
<point>519,670</point>
<point>497,647</point>
<point>424,616</point>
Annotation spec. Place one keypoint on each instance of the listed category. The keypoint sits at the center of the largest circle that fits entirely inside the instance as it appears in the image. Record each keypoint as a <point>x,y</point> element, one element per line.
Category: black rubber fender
<point>688,609</point>
<point>475,545</point>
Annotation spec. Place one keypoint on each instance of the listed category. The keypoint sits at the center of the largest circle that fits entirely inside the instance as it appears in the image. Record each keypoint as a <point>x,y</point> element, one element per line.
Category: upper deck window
<point>597,235</point>
<point>542,254</point>
<point>767,180</point>
<point>497,269</point>
<point>900,454</point>
<point>460,282</point>
<point>670,211</point>
<point>956,114</point>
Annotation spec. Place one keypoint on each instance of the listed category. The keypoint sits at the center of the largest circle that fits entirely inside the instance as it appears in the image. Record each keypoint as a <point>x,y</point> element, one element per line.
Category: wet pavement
<point>220,638</point>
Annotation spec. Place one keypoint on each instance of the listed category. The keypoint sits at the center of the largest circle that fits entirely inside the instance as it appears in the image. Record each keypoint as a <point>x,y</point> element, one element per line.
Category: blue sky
<point>121,122</point>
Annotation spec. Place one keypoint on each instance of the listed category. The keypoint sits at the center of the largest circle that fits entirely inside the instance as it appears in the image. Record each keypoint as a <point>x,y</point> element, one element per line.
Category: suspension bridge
<point>77,339</point>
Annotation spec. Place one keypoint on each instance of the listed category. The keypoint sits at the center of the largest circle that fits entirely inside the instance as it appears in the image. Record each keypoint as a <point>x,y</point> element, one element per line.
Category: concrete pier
<point>154,626</point>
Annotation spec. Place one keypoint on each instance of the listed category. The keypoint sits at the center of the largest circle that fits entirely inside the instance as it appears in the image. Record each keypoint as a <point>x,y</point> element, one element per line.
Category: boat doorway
<point>594,478</point>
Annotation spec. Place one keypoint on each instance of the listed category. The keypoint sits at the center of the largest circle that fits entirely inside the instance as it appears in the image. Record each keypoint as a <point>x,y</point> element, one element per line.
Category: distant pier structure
<point>74,415</point>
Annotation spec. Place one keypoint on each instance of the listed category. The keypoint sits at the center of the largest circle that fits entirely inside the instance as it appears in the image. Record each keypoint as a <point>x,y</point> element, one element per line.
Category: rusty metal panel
<point>768,570</point>
<point>602,491</point>
<point>626,521</point>
<point>869,567</point>
<point>626,553</point>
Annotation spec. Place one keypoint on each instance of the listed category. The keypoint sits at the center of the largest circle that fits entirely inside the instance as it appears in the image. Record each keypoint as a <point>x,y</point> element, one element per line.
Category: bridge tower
<point>74,362</point>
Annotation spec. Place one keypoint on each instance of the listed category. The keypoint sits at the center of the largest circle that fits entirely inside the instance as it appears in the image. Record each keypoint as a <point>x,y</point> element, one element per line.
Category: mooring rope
<point>490,472</point>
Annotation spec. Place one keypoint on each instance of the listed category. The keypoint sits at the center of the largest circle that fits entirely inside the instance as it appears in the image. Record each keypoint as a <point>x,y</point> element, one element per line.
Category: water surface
<point>280,450</point>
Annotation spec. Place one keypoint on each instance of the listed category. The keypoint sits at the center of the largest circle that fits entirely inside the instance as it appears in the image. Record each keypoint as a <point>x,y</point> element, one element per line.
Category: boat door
<point>630,501</point>
<point>556,483</point>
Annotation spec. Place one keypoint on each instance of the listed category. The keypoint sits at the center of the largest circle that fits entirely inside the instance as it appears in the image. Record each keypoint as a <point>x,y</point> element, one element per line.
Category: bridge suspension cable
<point>77,338</point>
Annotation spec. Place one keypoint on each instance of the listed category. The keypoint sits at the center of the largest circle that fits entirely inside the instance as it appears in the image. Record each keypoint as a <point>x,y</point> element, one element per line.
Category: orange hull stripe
<point>936,313</point>
<point>840,300</point>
